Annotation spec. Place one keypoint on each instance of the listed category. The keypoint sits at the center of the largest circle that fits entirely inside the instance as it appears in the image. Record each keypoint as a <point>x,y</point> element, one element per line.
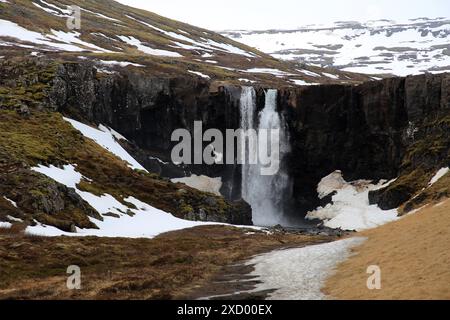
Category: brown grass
<point>169,266</point>
<point>24,13</point>
<point>413,254</point>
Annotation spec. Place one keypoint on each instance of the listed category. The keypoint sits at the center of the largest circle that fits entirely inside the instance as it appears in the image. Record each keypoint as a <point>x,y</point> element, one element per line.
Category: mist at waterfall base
<point>267,194</point>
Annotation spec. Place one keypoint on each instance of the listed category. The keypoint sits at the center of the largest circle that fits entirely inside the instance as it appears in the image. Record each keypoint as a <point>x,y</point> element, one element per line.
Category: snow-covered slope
<point>375,47</point>
<point>135,219</point>
<point>117,36</point>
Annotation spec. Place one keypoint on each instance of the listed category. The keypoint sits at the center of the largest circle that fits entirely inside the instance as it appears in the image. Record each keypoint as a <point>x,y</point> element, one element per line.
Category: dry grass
<point>169,266</point>
<point>413,254</point>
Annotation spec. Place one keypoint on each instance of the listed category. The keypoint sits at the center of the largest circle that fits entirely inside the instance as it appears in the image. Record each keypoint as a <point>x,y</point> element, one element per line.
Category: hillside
<point>412,254</point>
<point>375,47</point>
<point>116,36</point>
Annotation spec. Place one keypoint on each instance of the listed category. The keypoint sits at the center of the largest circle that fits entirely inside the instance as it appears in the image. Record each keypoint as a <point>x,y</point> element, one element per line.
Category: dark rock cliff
<point>376,130</point>
<point>147,110</point>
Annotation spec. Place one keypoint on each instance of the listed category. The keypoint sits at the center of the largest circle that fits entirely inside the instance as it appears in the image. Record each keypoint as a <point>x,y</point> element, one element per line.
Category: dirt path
<point>258,278</point>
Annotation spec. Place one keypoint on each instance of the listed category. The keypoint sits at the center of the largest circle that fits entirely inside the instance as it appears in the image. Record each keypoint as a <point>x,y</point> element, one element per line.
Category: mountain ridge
<point>113,35</point>
<point>382,47</point>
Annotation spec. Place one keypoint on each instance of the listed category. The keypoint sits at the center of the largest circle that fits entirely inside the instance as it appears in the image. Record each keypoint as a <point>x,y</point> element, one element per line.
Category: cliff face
<point>378,130</point>
<point>147,110</point>
<point>394,128</point>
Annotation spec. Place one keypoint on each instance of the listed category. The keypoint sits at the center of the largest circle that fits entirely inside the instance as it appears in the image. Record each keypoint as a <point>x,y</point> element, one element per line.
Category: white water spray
<point>264,193</point>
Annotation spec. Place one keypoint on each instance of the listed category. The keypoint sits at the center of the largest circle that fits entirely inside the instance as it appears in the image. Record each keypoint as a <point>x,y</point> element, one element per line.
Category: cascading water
<point>265,193</point>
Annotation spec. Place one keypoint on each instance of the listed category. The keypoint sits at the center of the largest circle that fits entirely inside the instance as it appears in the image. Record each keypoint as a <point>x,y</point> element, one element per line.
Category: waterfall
<point>264,193</point>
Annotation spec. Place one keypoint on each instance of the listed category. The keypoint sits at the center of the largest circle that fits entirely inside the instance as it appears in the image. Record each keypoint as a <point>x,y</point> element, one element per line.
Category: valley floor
<point>413,256</point>
<point>220,262</point>
<point>169,266</point>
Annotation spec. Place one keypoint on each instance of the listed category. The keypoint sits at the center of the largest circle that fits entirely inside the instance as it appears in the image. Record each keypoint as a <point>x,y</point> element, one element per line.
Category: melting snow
<point>73,37</point>
<point>65,13</point>
<point>5,225</point>
<point>303,83</point>
<point>229,48</point>
<point>275,72</point>
<point>442,172</point>
<point>10,201</point>
<point>309,73</point>
<point>101,15</point>
<point>202,183</point>
<point>114,133</point>
<point>147,50</point>
<point>366,48</point>
<point>10,218</point>
<point>199,74</point>
<point>350,209</point>
<point>121,63</point>
<point>146,221</point>
<point>299,274</point>
<point>205,44</point>
<point>107,141</point>
<point>246,80</point>
<point>68,39</point>
<point>329,75</point>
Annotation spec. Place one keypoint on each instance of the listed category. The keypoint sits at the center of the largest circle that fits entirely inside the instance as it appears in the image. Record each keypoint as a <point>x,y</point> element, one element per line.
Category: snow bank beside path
<point>299,274</point>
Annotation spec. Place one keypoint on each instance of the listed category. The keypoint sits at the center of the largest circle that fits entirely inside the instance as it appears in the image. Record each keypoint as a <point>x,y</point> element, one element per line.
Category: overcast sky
<point>266,14</point>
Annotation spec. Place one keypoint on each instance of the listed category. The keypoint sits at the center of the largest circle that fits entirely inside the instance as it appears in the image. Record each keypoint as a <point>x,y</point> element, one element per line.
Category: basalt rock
<point>376,130</point>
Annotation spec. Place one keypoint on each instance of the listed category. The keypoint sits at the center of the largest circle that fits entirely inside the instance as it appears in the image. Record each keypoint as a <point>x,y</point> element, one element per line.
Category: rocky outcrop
<point>378,130</point>
<point>39,198</point>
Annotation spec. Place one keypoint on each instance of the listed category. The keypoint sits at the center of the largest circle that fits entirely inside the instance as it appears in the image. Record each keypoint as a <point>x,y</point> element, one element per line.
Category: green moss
<point>186,209</point>
<point>27,83</point>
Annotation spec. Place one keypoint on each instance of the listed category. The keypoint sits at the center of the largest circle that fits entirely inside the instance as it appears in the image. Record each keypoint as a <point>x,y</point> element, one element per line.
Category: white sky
<point>266,14</point>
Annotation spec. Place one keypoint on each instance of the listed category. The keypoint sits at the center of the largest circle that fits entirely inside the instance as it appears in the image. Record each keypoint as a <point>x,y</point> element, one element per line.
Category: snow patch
<point>246,80</point>
<point>106,140</point>
<point>228,48</point>
<point>66,41</point>
<point>132,41</point>
<point>145,221</point>
<point>100,15</point>
<point>202,183</point>
<point>5,225</point>
<point>302,82</point>
<point>274,72</point>
<point>114,133</point>
<point>350,208</point>
<point>442,172</point>
<point>14,219</point>
<point>309,73</point>
<point>199,74</point>
<point>121,63</point>
<point>299,274</point>
<point>10,201</point>
<point>329,75</point>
